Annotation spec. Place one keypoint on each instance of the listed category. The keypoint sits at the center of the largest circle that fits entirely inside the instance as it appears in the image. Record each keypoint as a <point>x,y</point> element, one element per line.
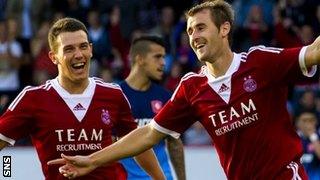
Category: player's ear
<point>139,59</point>
<point>91,47</point>
<point>53,57</point>
<point>225,29</point>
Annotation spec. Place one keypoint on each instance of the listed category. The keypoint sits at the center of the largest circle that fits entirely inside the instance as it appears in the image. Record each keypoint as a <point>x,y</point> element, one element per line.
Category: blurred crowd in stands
<point>112,24</point>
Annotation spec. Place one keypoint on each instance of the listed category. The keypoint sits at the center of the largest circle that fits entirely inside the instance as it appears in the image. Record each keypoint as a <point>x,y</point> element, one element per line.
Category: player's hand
<point>73,166</point>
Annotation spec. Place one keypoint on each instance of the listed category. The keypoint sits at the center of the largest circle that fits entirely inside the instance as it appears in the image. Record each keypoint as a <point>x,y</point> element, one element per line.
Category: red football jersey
<point>244,111</point>
<point>55,128</point>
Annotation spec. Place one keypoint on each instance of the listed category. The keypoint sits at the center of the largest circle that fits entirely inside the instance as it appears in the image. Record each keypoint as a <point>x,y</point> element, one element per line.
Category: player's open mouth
<point>78,65</point>
<point>160,70</point>
<point>200,46</point>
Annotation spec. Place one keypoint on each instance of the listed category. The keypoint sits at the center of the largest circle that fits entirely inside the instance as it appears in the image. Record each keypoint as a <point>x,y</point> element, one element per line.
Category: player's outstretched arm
<point>132,144</point>
<point>312,56</point>
<point>149,162</point>
<point>175,149</point>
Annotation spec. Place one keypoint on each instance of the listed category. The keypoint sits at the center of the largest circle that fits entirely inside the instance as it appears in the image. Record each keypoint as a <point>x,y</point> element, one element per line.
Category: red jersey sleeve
<point>281,65</point>
<point>177,115</point>
<point>125,123</point>
<point>16,122</point>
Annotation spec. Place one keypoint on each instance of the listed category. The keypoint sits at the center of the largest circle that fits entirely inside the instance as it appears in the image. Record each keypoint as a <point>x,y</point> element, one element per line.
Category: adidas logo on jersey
<point>78,107</point>
<point>223,88</point>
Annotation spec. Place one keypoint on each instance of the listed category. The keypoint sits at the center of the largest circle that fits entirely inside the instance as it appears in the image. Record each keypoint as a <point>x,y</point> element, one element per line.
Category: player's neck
<point>138,81</point>
<point>221,65</point>
<point>73,87</point>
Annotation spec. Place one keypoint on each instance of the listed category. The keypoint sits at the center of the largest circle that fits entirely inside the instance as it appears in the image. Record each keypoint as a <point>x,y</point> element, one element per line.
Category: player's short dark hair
<point>221,12</point>
<point>64,25</point>
<point>306,111</point>
<point>141,45</point>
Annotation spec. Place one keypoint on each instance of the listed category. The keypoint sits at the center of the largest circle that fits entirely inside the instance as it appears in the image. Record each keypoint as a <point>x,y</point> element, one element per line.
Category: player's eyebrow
<point>194,27</point>
<point>74,45</point>
<point>68,46</point>
<point>85,43</point>
<point>159,55</point>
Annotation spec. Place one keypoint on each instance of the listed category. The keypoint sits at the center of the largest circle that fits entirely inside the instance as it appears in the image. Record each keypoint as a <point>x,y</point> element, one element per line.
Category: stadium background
<point>113,23</point>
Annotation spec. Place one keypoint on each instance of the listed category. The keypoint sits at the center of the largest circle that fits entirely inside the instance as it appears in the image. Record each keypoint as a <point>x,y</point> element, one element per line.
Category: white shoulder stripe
<point>192,74</point>
<point>203,69</point>
<point>126,98</point>
<point>188,74</point>
<point>184,78</point>
<point>47,85</point>
<point>266,49</point>
<point>21,94</point>
<point>18,98</point>
<point>275,48</point>
<point>96,79</point>
<point>243,56</point>
<point>111,85</point>
<point>104,84</point>
<point>175,91</point>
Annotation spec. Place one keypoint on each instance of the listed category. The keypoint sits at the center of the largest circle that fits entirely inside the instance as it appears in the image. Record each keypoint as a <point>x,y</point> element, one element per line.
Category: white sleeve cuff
<point>302,64</point>
<point>155,125</point>
<point>8,140</point>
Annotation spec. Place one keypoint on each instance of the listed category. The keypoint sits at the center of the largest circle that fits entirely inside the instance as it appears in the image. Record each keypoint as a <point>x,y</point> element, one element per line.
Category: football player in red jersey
<point>72,114</point>
<point>240,98</point>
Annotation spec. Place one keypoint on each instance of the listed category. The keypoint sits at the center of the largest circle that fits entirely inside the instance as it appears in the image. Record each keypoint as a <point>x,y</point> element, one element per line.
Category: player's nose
<point>78,53</point>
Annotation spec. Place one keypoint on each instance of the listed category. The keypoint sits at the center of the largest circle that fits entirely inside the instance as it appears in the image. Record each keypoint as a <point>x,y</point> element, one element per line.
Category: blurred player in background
<point>72,114</point>
<point>307,130</point>
<point>239,98</point>
<point>146,99</point>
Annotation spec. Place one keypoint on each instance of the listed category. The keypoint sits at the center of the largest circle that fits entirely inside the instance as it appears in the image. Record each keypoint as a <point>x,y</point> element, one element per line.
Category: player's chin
<point>157,77</point>
<point>80,78</point>
<point>160,76</point>
<point>204,59</point>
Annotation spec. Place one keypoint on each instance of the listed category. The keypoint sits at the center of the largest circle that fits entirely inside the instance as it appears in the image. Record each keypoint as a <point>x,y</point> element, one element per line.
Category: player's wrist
<point>94,161</point>
<point>314,137</point>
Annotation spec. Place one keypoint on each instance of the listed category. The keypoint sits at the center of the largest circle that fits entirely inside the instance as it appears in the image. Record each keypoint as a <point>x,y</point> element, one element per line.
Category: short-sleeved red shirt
<point>42,113</point>
<point>244,112</point>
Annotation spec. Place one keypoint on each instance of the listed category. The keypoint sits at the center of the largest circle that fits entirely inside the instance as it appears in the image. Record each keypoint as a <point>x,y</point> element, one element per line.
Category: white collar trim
<point>222,85</point>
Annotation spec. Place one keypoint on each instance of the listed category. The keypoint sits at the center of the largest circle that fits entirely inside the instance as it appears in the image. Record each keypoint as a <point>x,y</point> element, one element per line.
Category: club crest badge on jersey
<point>105,117</point>
<point>156,106</point>
<point>249,84</point>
